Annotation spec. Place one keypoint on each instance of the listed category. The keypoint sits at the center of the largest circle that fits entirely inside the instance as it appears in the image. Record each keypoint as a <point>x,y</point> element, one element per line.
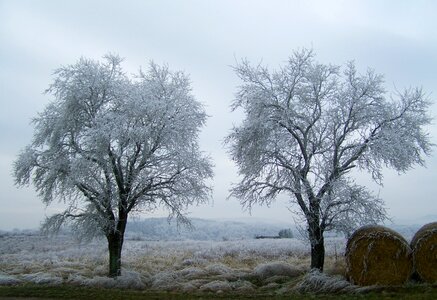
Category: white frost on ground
<point>165,280</point>
<point>216,286</point>
<point>6,279</point>
<point>169,265</point>
<point>192,273</point>
<point>42,278</point>
<point>127,280</point>
<point>243,286</point>
<point>218,269</point>
<point>317,282</point>
<point>277,268</point>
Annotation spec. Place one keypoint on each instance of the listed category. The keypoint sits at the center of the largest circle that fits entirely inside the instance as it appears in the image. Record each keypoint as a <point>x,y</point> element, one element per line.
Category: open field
<point>37,266</point>
<point>161,265</point>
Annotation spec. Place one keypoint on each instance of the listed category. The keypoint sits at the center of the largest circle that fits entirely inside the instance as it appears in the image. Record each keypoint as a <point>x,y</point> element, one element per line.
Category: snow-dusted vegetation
<point>307,125</point>
<point>210,266</point>
<point>202,229</point>
<point>108,145</point>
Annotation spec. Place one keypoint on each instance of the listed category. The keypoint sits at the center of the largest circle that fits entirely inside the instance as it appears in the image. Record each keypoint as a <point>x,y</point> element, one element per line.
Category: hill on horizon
<point>203,229</point>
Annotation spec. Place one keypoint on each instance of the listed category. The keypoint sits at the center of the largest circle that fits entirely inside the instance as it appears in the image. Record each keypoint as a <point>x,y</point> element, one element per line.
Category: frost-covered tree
<point>285,233</point>
<point>109,145</point>
<point>307,126</point>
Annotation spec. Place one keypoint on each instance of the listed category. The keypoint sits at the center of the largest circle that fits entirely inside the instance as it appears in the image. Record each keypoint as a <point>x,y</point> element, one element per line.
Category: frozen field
<point>163,265</point>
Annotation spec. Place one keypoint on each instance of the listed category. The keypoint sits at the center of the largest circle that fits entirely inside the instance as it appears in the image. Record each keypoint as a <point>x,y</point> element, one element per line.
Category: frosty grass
<point>161,265</point>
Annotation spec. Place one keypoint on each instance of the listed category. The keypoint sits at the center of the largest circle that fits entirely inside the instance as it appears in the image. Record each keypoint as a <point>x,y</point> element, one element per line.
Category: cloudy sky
<point>204,38</point>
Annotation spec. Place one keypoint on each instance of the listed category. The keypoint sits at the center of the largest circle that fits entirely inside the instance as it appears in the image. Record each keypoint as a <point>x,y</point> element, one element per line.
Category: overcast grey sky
<point>203,38</point>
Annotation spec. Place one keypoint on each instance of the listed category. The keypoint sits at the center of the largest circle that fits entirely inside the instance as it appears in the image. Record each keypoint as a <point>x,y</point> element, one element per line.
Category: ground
<point>59,267</point>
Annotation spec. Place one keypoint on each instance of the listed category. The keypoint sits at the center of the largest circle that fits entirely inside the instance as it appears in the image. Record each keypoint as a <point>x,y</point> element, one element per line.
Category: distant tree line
<point>282,234</point>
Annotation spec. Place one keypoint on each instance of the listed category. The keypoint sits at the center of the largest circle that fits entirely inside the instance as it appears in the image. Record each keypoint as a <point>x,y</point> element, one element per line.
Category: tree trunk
<point>317,246</point>
<point>318,254</point>
<point>115,245</point>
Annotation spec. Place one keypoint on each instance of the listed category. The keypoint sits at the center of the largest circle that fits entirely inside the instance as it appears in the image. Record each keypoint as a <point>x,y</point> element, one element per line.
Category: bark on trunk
<point>317,246</point>
<point>318,254</point>
<point>115,245</point>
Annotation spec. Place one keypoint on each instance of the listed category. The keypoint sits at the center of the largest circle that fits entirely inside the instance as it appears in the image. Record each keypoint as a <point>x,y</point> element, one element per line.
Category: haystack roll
<point>424,247</point>
<point>376,255</point>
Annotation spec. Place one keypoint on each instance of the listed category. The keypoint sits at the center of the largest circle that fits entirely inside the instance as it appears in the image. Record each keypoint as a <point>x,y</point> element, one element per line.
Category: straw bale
<point>376,255</point>
<point>424,247</point>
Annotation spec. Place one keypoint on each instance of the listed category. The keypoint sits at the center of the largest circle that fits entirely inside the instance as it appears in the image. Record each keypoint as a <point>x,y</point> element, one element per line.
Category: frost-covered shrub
<point>130,279</point>
<point>6,279</point>
<point>167,280</point>
<point>77,279</point>
<point>277,268</point>
<point>218,269</point>
<point>317,282</point>
<point>42,278</point>
<point>127,280</point>
<point>194,262</point>
<point>216,286</point>
<point>100,270</point>
<point>243,286</point>
<point>191,273</point>
<point>187,287</point>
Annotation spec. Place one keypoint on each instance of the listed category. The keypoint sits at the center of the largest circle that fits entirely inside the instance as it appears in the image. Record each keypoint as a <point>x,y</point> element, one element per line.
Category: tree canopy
<point>108,145</point>
<point>307,125</point>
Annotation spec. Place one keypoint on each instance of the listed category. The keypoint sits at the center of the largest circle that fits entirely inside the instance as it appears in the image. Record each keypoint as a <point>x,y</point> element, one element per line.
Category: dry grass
<point>172,266</point>
<point>228,269</point>
<point>335,266</point>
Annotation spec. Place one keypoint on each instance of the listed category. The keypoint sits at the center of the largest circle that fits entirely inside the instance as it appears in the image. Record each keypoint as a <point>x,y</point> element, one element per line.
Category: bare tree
<point>109,145</point>
<point>307,126</point>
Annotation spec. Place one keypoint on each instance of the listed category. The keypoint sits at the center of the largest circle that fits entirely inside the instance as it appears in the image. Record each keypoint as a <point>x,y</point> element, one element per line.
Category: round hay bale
<point>376,255</point>
<point>424,247</point>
